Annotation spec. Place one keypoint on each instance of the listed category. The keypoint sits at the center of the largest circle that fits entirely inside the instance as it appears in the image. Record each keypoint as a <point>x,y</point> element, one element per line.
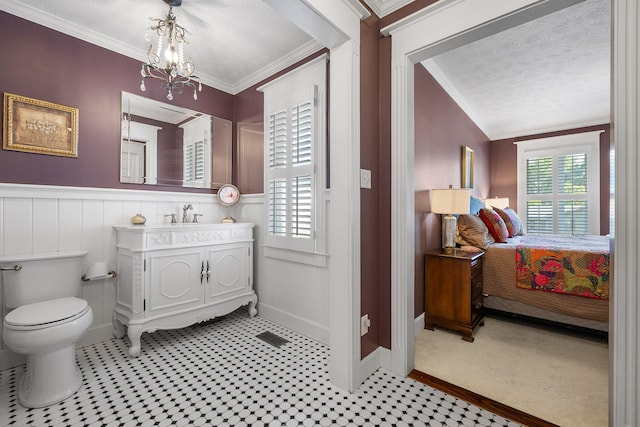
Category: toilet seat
<point>46,314</point>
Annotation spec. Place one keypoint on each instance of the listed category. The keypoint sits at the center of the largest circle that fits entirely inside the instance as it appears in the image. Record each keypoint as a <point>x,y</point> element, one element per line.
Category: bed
<point>502,293</point>
<point>512,285</point>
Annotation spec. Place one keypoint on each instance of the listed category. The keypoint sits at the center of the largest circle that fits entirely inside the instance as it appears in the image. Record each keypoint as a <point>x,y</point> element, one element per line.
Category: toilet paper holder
<point>109,275</point>
<point>98,271</point>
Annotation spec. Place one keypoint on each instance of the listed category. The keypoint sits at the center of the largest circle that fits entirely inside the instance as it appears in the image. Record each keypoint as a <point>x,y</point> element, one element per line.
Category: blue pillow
<point>475,205</point>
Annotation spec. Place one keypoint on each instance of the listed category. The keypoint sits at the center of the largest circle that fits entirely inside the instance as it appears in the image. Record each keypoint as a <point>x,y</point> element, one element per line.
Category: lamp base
<point>449,232</point>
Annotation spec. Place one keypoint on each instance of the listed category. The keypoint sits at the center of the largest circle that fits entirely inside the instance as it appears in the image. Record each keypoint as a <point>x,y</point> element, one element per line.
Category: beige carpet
<point>559,376</point>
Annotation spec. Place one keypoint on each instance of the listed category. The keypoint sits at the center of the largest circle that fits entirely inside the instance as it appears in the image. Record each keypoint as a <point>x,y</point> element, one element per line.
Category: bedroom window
<point>295,138</point>
<point>559,185</point>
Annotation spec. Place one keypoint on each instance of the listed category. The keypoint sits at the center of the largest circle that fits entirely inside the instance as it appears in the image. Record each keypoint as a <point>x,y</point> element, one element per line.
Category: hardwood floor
<point>480,401</point>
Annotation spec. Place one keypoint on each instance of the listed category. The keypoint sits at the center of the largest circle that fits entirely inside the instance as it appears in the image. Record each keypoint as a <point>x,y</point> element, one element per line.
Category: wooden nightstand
<point>453,291</point>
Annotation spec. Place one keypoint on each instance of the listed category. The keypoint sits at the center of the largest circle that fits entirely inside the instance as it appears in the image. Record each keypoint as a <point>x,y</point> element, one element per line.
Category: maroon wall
<point>441,130</point>
<point>54,67</point>
<point>504,171</point>
<point>371,276</point>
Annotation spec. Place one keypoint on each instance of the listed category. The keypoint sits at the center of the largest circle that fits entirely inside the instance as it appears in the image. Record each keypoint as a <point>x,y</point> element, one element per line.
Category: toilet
<point>45,322</point>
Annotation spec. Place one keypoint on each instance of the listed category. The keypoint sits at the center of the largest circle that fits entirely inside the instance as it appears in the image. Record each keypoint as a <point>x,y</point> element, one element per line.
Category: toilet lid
<point>40,313</point>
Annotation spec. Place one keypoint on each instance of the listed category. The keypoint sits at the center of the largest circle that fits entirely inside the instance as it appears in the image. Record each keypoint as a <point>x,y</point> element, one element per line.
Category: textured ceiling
<point>549,74</point>
<point>233,43</point>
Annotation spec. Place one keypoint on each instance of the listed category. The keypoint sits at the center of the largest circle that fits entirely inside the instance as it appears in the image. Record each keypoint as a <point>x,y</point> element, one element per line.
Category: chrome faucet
<point>184,212</point>
<point>173,218</point>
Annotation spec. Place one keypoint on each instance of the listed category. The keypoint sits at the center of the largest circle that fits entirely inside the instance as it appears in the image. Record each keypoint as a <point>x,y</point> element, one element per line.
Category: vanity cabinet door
<point>174,280</point>
<point>229,271</point>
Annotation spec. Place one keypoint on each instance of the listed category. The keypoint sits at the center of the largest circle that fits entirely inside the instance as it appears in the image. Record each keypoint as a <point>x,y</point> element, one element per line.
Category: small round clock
<point>228,195</point>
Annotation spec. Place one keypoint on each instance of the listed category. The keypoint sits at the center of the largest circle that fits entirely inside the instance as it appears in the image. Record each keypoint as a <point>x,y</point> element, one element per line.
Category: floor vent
<point>272,339</point>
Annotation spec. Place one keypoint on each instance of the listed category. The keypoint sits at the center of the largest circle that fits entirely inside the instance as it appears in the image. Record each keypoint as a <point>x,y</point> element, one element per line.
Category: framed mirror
<point>170,145</point>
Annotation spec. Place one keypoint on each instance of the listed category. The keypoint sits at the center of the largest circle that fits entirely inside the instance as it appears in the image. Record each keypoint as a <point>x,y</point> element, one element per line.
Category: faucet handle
<point>195,217</point>
<point>173,218</point>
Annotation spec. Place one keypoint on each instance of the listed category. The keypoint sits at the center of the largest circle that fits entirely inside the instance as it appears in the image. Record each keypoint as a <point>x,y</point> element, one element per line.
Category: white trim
<point>324,57</point>
<point>274,67</point>
<point>370,364</point>
<point>61,25</point>
<point>299,257</point>
<point>418,325</point>
<point>624,360</point>
<point>384,7</point>
<point>434,29</point>
<point>624,318</point>
<point>30,191</point>
<point>585,142</point>
<point>310,329</point>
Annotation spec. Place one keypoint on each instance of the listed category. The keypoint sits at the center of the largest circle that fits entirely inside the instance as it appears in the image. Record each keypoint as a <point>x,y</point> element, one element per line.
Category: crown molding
<point>64,26</point>
<point>384,7</point>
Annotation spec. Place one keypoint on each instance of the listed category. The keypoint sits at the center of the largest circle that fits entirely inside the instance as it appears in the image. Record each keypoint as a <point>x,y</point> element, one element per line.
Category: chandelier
<point>169,65</point>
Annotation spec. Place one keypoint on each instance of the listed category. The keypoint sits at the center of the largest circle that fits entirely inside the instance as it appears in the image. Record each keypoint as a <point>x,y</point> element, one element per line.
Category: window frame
<point>307,82</point>
<point>555,147</point>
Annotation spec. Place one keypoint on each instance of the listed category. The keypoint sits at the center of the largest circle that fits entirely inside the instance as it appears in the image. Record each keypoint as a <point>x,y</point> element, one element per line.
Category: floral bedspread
<point>564,264</point>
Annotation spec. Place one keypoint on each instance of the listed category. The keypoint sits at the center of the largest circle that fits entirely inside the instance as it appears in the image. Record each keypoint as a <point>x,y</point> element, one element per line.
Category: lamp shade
<point>450,201</point>
<point>497,202</point>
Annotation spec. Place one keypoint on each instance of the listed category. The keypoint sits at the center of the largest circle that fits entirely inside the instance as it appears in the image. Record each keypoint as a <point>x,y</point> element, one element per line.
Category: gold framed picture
<point>467,168</point>
<point>42,127</point>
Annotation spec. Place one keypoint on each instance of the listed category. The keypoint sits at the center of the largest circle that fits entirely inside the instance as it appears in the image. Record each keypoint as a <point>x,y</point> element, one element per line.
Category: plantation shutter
<point>560,182</point>
<point>540,190</point>
<point>194,162</point>
<point>294,116</point>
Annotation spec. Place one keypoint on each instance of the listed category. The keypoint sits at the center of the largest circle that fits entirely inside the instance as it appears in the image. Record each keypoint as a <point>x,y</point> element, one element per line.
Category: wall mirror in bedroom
<point>163,144</point>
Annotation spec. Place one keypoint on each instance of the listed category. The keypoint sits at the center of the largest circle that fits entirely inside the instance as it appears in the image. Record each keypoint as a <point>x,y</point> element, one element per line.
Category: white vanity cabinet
<point>172,276</point>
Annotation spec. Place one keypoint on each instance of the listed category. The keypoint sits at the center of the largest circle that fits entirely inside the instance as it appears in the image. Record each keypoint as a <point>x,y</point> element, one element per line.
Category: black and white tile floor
<point>219,374</point>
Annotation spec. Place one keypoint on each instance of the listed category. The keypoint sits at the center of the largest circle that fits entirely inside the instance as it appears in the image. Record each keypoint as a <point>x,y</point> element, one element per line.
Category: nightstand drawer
<point>476,287</point>
<point>476,268</point>
<point>476,308</point>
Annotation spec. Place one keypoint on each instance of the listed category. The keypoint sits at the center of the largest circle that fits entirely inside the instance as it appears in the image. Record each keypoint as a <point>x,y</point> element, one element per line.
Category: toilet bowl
<point>45,324</point>
<point>47,332</point>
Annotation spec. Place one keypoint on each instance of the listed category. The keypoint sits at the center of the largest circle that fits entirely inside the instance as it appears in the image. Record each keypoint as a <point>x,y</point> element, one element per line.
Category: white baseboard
<point>302,326</point>
<point>418,324</point>
<point>95,335</point>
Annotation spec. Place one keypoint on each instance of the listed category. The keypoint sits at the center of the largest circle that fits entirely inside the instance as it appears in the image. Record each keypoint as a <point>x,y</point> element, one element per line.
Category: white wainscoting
<point>51,218</point>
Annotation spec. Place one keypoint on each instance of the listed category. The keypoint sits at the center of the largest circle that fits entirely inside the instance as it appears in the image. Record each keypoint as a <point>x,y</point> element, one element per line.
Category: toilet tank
<point>43,276</point>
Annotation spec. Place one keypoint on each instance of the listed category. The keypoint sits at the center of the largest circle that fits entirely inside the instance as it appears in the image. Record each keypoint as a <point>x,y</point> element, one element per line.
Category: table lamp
<point>449,202</point>
<point>497,202</point>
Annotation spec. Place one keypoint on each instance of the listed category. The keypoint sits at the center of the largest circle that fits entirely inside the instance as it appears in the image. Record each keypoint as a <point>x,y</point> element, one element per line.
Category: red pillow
<point>511,220</point>
<point>495,224</point>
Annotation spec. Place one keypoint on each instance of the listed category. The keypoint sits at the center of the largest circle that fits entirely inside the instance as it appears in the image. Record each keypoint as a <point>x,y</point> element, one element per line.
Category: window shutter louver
<point>301,137</point>
<point>572,174</point>
<point>189,162</point>
<point>573,217</point>
<point>540,175</point>
<point>278,207</point>
<point>540,216</point>
<point>198,173</point>
<point>301,206</point>
<point>278,139</point>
